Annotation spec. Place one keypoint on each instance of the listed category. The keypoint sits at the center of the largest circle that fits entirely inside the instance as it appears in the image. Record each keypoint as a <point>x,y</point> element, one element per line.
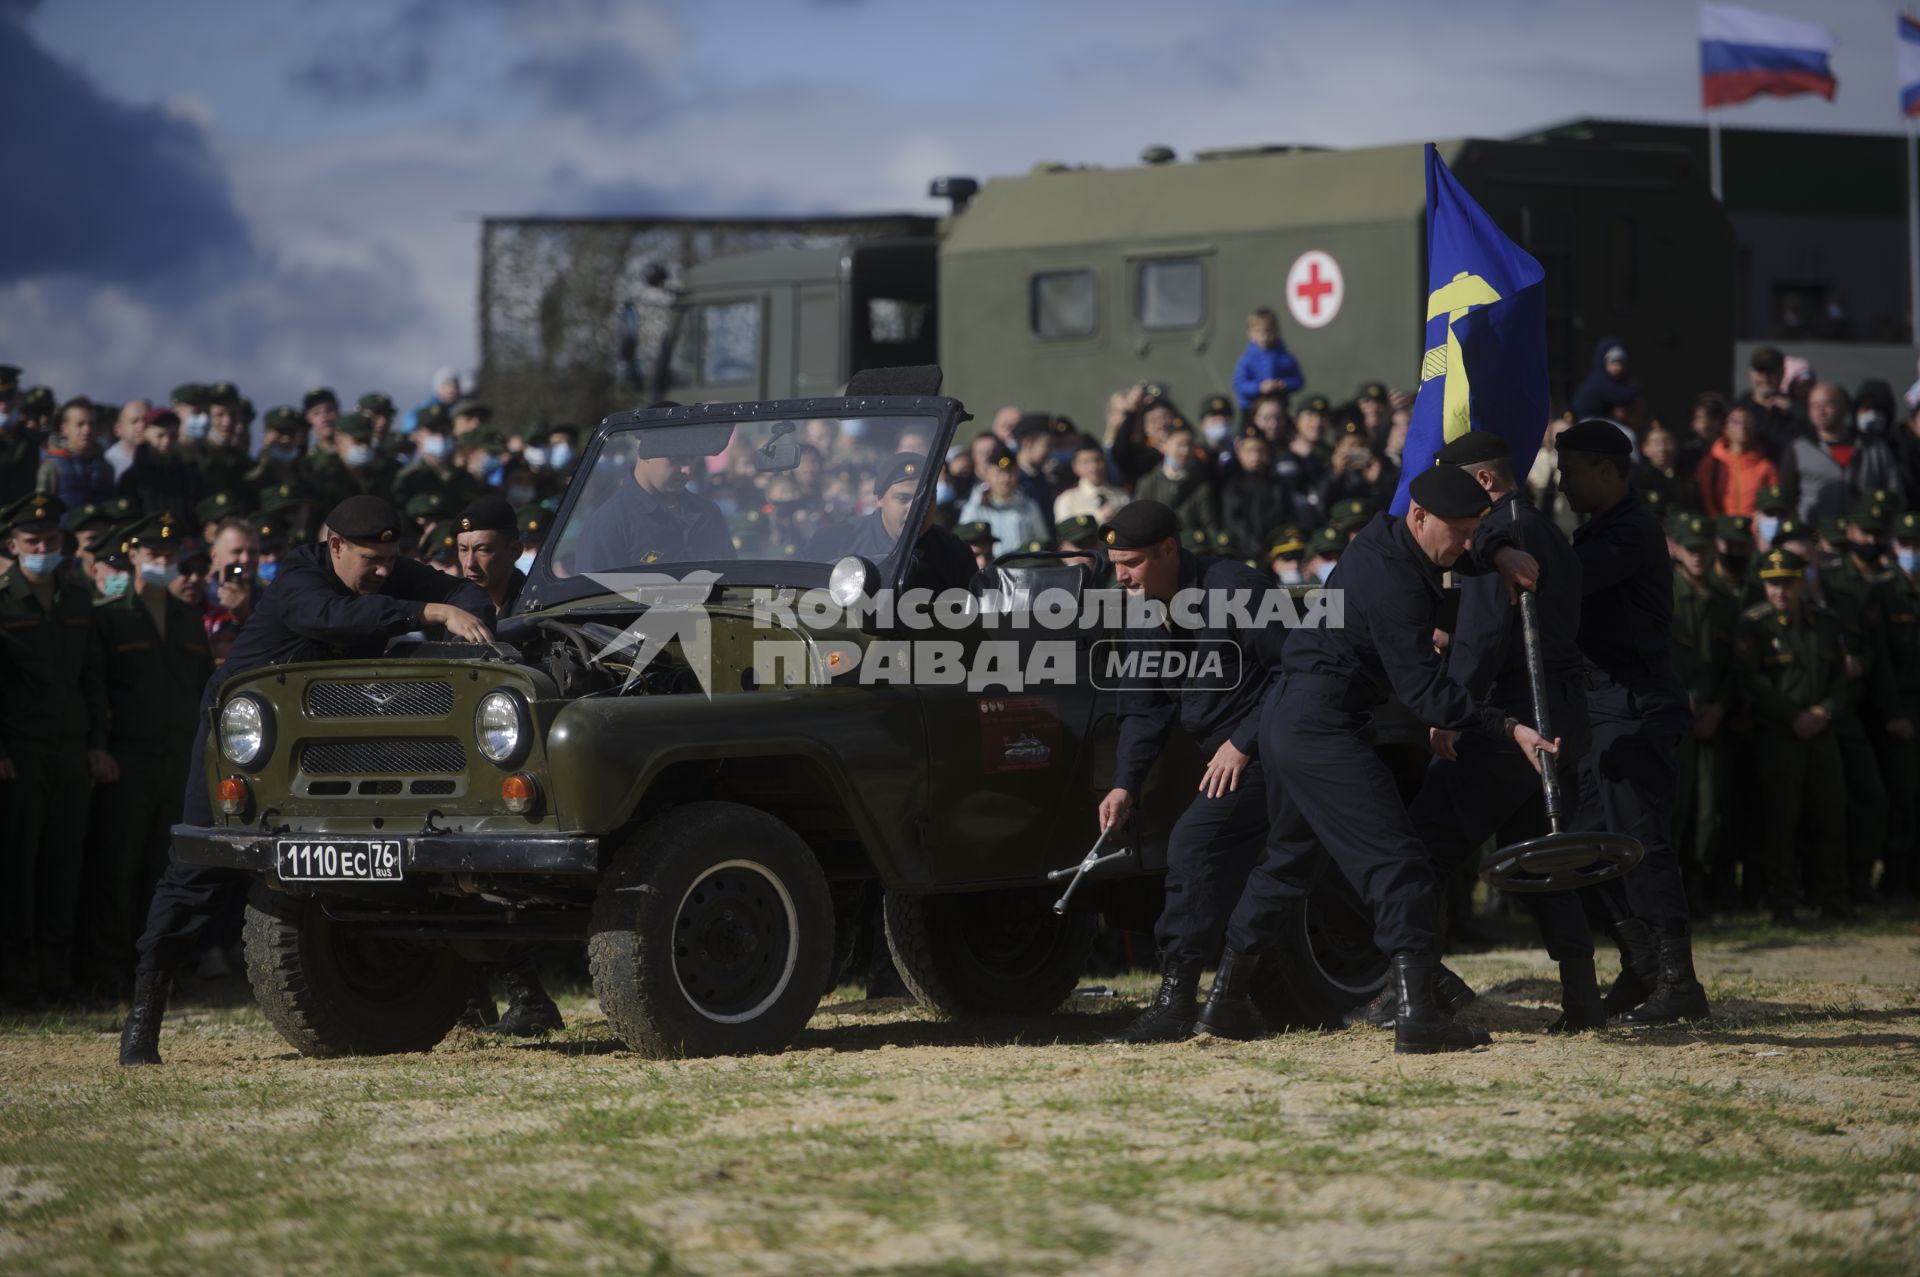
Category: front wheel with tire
<point>988,953</point>
<point>712,934</point>
<point>331,989</point>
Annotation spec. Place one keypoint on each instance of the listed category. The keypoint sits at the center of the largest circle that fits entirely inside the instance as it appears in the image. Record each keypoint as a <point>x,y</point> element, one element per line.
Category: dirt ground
<point>1785,1137</point>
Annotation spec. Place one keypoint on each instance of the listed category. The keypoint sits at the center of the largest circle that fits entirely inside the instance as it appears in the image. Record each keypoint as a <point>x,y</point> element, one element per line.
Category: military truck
<point>1055,288</point>
<point>659,758</point>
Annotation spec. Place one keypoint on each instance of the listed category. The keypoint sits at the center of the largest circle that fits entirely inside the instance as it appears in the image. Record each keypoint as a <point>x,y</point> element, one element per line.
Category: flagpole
<point>1713,154</point>
<point>1913,231</point>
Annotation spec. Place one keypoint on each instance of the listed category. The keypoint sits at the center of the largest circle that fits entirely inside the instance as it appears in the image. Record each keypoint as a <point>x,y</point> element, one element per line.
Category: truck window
<point>1171,293</point>
<point>1063,304</point>
<point>729,342</point>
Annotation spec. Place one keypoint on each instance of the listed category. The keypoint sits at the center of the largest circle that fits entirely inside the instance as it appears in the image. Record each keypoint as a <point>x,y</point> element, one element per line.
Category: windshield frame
<point>544,590</point>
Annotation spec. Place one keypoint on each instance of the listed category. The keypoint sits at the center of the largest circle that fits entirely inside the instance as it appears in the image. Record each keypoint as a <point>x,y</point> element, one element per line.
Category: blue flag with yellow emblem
<point>1485,361</point>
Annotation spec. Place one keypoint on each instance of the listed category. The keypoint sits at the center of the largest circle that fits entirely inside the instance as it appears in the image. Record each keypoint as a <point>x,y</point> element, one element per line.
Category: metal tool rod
<point>1537,683</point>
<point>1091,861</point>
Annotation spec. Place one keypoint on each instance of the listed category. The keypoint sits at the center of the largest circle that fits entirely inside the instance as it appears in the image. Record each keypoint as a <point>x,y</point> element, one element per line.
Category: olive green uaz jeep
<point>678,762</point>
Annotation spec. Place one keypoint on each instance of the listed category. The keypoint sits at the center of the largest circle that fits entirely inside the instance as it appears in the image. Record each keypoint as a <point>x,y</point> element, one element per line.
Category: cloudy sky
<point>284,192</point>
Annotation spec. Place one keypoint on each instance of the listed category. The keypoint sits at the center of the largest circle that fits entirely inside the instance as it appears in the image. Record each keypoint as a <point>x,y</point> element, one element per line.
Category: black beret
<point>1449,493</point>
<point>1139,525</point>
<point>905,467</point>
<point>1782,565</point>
<point>1596,435</point>
<point>1474,447</point>
<point>365,518</point>
<point>488,514</point>
<point>317,396</point>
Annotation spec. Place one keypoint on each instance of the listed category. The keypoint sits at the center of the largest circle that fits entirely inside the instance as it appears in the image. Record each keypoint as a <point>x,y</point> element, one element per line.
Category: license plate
<point>335,860</point>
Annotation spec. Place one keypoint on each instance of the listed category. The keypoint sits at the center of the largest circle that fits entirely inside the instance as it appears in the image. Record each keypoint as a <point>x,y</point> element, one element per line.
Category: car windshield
<point>672,497</point>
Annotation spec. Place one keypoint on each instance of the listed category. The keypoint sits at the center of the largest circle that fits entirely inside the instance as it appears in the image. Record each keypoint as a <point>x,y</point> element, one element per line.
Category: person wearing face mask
<point>1323,553</point>
<point>563,455</point>
<point>1703,619</point>
<point>1772,508</point>
<point>1832,469</point>
<point>433,470</point>
<point>283,455</point>
<point>1181,483</point>
<point>53,747</point>
<point>223,452</point>
<point>1895,609</point>
<point>1286,557</point>
<point>1251,502</point>
<point>1217,429</point>
<point>378,409</point>
<point>157,660</point>
<point>352,466</point>
<point>160,480</point>
<point>1733,553</point>
<point>532,522</point>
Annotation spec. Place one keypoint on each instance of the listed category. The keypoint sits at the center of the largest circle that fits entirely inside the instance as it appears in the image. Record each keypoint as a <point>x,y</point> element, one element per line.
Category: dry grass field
<point>1783,1138</point>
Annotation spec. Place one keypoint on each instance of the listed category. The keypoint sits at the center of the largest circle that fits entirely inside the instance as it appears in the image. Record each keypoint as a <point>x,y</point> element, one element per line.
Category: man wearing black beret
<point>487,541</point>
<point>341,598</point>
<point>1217,839</point>
<point>1476,789</point>
<point>1638,710</point>
<point>938,561</point>
<point>1329,787</point>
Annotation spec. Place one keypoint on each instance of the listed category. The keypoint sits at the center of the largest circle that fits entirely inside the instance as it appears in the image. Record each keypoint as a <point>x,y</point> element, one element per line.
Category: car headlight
<point>501,729</point>
<point>246,731</point>
<point>852,579</point>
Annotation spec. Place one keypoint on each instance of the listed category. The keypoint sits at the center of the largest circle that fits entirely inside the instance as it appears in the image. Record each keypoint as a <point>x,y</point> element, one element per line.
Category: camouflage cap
<point>375,401</point>
<point>35,512</point>
<point>1690,531</point>
<point>1327,543</point>
<point>285,419</point>
<point>1782,565</point>
<point>1735,529</point>
<point>1080,530</point>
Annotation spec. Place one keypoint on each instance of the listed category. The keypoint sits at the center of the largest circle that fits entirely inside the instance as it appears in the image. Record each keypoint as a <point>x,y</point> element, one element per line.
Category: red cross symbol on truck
<point>1315,289</point>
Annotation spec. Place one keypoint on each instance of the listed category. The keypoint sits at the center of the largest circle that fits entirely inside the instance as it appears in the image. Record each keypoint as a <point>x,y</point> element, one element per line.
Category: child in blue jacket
<point>1266,366</point>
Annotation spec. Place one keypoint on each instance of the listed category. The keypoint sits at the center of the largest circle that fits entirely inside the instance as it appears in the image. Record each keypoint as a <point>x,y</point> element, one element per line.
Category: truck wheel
<point>988,953</point>
<point>1324,963</point>
<point>331,990</point>
<point>712,934</point>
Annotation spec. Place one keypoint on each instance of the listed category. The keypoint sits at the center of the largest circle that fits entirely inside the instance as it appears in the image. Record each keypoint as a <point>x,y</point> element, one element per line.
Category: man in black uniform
<point>341,598</point>
<point>486,541</point>
<point>1328,786</point>
<point>939,559</point>
<point>1477,788</point>
<point>652,518</point>
<point>1218,838</point>
<point>1637,710</point>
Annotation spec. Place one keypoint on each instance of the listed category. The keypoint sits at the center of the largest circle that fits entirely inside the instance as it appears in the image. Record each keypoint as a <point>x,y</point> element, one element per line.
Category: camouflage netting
<point>553,294</point>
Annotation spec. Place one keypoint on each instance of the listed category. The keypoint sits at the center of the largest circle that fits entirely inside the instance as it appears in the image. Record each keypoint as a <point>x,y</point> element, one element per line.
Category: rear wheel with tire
<point>988,953</point>
<point>331,989</point>
<point>1324,963</point>
<point>713,934</point>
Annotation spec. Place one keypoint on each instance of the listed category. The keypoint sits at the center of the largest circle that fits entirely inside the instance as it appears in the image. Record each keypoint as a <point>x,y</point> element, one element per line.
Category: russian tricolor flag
<point>1909,64</point>
<point>1745,53</point>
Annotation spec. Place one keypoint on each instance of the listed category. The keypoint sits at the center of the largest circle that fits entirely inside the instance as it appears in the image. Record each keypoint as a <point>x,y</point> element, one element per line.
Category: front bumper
<point>549,855</point>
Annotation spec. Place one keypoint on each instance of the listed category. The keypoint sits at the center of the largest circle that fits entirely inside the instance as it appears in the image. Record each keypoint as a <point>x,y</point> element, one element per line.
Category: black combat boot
<point>1580,1005</point>
<point>1677,994</point>
<point>1169,1017</point>
<point>1639,965</point>
<point>1229,1011</point>
<point>140,1038</point>
<point>530,1012</point>
<point>1420,1025</point>
<point>1452,992</point>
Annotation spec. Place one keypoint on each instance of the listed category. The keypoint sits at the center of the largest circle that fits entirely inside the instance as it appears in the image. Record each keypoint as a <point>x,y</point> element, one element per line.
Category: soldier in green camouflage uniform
<point>1894,608</point>
<point>1847,580</point>
<point>1704,615</point>
<point>1791,668</point>
<point>53,746</point>
<point>157,663</point>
